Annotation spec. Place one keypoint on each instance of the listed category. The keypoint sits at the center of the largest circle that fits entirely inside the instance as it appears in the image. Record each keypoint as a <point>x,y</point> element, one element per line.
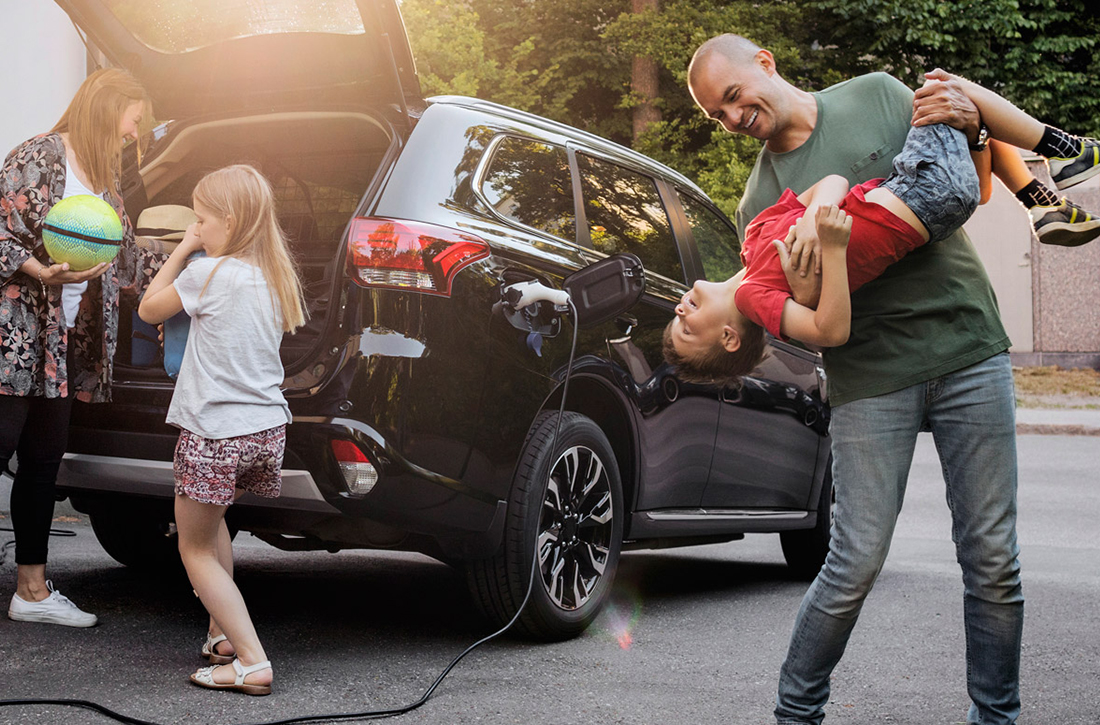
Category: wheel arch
<point>597,399</point>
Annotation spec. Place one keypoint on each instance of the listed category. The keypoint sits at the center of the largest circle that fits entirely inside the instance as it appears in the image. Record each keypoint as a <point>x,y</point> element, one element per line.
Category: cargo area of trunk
<point>320,165</point>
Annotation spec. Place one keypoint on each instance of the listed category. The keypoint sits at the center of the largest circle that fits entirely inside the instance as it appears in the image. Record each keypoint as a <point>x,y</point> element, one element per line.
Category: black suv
<point>424,399</point>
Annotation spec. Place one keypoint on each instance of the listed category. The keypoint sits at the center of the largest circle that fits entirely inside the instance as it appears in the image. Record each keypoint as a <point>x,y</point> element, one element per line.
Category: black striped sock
<point>1035,194</point>
<point>1057,144</point>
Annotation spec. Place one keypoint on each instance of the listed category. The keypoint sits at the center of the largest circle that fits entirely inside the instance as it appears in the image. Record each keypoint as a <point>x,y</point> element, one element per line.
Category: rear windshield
<point>172,26</point>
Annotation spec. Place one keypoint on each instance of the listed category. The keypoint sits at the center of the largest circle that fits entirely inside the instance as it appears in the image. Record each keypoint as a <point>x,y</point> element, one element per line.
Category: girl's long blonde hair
<point>241,195</point>
<point>92,121</point>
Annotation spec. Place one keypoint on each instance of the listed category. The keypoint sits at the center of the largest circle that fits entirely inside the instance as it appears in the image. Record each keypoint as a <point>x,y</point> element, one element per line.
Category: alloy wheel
<point>575,527</point>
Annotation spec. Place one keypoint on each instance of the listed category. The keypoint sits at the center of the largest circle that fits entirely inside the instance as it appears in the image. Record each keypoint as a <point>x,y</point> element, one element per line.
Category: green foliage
<point>543,56</point>
<point>1040,54</point>
<point>570,60</point>
<point>452,56</point>
<point>686,140</point>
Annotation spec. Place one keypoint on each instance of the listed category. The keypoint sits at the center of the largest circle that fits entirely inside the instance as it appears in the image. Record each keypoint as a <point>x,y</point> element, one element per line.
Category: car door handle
<point>731,395</point>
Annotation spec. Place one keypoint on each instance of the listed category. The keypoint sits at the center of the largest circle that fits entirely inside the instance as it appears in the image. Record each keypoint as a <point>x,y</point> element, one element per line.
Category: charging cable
<point>529,293</point>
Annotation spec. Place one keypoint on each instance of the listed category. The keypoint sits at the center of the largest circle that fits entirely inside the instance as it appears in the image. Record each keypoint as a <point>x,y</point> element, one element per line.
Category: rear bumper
<point>84,473</point>
<point>416,508</point>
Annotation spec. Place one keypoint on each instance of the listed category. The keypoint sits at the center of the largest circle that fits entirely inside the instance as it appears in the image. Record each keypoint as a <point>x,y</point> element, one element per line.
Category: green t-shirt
<point>931,313</point>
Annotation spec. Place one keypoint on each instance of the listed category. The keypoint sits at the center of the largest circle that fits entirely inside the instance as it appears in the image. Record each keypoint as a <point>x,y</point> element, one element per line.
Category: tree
<point>575,61</point>
<point>574,79</point>
<point>1040,54</point>
<point>452,54</point>
<point>644,81</point>
<point>685,139</point>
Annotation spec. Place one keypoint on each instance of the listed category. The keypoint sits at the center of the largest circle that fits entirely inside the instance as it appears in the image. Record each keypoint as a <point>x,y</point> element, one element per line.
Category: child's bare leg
<point>1006,122</point>
<point>1071,159</point>
<point>225,558</point>
<point>199,525</point>
<point>1055,220</point>
<point>1009,166</point>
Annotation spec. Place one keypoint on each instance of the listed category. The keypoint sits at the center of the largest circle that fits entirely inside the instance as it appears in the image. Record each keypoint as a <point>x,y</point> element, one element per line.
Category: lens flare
<point>620,618</point>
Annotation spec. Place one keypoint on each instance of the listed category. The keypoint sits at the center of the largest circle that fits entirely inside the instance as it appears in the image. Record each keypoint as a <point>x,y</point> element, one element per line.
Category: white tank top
<point>71,293</point>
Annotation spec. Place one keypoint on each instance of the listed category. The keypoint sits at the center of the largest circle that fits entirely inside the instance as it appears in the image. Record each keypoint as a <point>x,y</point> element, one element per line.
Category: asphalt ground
<point>693,635</point>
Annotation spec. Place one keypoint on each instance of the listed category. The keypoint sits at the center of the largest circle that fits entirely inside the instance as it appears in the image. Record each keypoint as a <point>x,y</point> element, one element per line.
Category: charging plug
<point>522,294</point>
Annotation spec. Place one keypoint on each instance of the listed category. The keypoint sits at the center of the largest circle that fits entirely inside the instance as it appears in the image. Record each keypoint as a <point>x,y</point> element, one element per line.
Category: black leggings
<point>37,429</point>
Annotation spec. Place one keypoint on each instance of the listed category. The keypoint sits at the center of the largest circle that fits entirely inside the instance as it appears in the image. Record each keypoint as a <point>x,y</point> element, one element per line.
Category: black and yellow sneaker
<point>1066,224</point>
<point>1085,165</point>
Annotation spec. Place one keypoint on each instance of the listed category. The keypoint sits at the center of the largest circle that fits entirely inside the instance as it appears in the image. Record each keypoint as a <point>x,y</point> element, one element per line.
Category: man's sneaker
<point>54,609</point>
<point>1085,165</point>
<point>1066,224</point>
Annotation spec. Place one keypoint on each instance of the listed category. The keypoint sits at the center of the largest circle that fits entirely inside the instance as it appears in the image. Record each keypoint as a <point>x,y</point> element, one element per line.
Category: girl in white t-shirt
<point>232,416</point>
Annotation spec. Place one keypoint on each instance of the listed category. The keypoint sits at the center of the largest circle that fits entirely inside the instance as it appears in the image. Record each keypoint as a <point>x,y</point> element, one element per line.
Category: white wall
<point>44,63</point>
<point>1001,232</point>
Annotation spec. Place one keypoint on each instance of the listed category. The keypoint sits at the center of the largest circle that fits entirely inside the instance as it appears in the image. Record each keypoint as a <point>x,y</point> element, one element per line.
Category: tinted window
<point>715,239</point>
<point>625,214</point>
<point>529,181</point>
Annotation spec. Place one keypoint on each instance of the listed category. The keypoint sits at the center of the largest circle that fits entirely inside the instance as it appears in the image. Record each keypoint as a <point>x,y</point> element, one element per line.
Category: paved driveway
<point>694,635</point>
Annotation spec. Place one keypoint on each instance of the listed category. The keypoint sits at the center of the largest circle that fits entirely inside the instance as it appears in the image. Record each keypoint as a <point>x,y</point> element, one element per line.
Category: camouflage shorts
<point>934,176</point>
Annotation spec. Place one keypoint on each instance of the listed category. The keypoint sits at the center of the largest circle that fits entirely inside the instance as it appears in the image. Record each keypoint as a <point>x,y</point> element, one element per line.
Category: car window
<point>715,238</point>
<point>625,214</point>
<point>529,181</point>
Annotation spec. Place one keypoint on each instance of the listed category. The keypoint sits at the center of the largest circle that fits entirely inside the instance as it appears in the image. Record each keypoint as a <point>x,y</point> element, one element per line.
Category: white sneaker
<point>54,609</point>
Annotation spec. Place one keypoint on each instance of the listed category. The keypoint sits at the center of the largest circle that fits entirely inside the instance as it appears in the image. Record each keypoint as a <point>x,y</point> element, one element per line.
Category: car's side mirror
<point>606,289</point>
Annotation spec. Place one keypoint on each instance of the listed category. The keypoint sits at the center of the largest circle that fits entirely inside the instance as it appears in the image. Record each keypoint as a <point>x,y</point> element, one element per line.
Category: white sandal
<point>204,677</point>
<point>210,652</point>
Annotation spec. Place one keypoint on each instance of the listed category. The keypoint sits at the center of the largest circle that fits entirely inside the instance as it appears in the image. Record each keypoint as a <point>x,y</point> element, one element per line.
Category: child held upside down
<point>717,333</point>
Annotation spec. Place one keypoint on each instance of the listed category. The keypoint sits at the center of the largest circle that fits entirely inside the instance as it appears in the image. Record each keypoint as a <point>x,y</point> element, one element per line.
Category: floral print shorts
<point>208,470</point>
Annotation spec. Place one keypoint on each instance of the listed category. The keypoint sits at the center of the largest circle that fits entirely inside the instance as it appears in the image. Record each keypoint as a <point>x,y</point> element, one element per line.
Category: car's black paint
<point>443,392</point>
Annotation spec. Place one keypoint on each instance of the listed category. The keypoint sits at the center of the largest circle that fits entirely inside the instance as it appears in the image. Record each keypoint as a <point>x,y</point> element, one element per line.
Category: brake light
<point>409,255</point>
<point>360,475</point>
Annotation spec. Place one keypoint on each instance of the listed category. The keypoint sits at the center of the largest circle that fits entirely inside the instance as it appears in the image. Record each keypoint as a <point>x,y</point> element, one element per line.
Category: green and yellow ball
<point>82,230</point>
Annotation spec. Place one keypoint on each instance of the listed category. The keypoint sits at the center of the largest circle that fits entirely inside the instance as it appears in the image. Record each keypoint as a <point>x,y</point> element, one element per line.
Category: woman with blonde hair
<point>58,326</point>
<point>227,403</point>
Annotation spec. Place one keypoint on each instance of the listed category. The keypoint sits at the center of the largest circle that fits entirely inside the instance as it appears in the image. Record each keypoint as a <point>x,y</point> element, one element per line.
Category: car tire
<point>580,536</point>
<point>805,550</point>
<point>137,537</point>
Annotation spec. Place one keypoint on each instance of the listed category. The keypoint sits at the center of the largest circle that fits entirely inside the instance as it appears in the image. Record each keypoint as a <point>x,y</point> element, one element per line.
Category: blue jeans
<point>971,414</point>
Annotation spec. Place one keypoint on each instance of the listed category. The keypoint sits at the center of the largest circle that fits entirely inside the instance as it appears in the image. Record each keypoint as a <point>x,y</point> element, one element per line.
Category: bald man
<point>927,352</point>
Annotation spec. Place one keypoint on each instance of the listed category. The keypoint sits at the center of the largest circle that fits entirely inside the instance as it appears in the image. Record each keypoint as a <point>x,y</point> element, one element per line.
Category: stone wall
<point>1066,290</point>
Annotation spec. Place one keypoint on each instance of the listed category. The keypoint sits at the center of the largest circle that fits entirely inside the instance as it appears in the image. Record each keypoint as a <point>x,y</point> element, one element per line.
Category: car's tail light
<point>359,474</point>
<point>409,255</point>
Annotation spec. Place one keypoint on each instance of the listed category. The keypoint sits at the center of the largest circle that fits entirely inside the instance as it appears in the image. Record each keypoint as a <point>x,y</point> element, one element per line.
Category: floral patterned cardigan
<point>33,336</point>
